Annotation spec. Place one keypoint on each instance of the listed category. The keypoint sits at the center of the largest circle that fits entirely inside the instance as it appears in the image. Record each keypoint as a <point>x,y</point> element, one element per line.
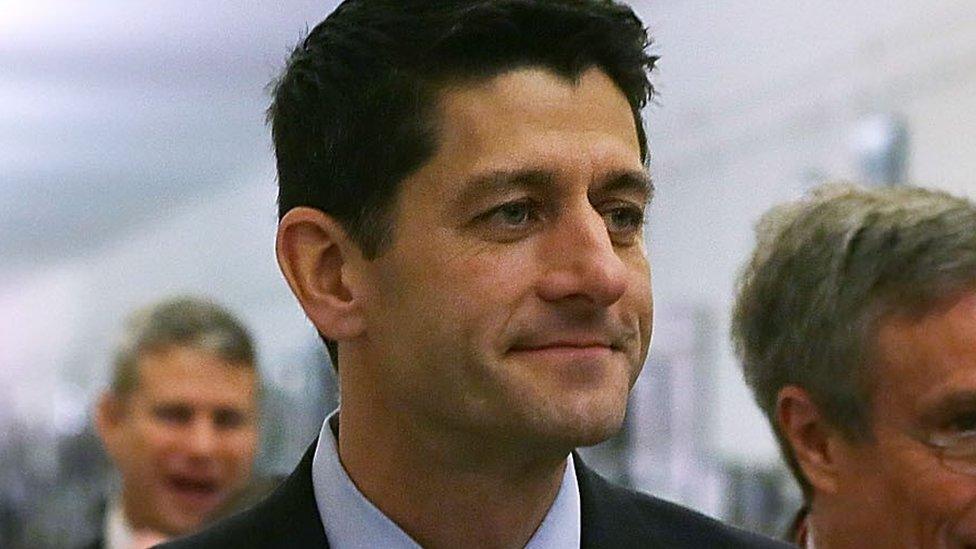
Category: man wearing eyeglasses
<point>856,326</point>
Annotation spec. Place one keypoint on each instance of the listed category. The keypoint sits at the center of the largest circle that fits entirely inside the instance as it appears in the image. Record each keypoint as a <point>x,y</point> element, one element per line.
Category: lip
<point>201,494</point>
<point>565,351</point>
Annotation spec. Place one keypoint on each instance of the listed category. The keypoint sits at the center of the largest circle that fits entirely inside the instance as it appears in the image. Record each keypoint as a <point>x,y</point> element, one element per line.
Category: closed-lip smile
<point>567,345</point>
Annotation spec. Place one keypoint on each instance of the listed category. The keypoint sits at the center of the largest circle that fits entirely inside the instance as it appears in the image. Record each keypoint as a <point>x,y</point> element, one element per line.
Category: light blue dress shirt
<point>351,521</point>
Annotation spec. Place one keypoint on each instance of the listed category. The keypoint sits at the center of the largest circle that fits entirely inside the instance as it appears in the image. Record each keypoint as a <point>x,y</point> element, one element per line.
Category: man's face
<point>515,299</point>
<point>901,491</point>
<point>184,439</point>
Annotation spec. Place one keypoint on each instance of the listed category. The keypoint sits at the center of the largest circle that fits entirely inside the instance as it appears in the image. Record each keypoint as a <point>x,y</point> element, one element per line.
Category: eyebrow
<point>497,181</point>
<point>488,184</point>
<point>638,182</point>
<point>954,402</point>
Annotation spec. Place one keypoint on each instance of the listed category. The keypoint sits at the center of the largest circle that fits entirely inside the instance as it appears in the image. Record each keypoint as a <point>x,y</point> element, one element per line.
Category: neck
<point>832,527</point>
<point>117,526</point>
<point>132,513</point>
<point>494,494</point>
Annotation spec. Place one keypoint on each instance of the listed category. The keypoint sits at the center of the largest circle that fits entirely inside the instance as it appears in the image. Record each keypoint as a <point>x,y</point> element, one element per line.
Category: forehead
<point>189,374</point>
<point>924,360</point>
<point>535,114</point>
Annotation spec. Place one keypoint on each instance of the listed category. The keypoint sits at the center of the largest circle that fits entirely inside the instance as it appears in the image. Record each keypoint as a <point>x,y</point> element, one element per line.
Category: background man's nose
<point>202,437</point>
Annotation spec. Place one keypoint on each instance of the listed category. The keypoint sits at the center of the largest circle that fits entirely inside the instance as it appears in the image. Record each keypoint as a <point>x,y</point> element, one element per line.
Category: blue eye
<point>510,221</point>
<point>624,221</point>
<point>513,214</point>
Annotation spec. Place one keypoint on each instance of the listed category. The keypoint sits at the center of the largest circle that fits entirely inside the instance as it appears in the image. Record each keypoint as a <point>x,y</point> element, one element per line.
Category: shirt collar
<point>116,530</point>
<point>562,525</point>
<point>351,521</point>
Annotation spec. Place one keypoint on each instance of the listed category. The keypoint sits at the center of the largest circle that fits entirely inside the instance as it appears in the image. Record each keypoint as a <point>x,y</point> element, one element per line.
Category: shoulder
<point>97,543</point>
<point>247,529</point>
<point>94,537</point>
<point>614,516</point>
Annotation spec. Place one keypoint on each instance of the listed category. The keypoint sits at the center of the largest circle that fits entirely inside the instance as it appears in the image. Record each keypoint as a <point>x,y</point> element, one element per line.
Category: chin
<point>587,422</point>
<point>182,525</point>
<point>597,433</point>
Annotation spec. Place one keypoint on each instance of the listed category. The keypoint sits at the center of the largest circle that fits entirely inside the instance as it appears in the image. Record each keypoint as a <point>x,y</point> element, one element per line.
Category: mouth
<point>202,493</point>
<point>571,351</point>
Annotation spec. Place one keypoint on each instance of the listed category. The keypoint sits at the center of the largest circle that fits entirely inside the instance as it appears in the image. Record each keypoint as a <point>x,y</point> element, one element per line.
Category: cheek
<point>940,493</point>
<point>164,445</point>
<point>965,527</point>
<point>146,450</point>
<point>641,289</point>
<point>920,486</point>
<point>641,299</point>
<point>467,285</point>
<point>156,438</point>
<point>940,506</point>
<point>239,449</point>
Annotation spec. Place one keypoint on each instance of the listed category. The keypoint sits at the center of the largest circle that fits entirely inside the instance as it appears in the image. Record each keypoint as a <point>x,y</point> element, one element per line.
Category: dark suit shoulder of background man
<point>462,192</point>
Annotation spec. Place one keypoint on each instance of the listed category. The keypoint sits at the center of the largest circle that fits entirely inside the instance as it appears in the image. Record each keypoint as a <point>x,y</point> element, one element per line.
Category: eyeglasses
<point>957,450</point>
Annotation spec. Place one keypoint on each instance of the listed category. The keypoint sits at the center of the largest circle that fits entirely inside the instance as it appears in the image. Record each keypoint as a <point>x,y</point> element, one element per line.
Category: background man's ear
<point>109,416</point>
<point>315,255</point>
<point>814,441</point>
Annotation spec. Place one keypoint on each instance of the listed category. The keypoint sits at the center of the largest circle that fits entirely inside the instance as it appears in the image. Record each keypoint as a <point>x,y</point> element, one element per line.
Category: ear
<point>109,416</point>
<point>317,258</point>
<point>813,440</point>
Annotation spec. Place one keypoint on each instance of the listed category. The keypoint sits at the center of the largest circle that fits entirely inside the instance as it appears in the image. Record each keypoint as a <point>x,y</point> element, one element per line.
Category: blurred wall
<point>134,164</point>
<point>760,99</point>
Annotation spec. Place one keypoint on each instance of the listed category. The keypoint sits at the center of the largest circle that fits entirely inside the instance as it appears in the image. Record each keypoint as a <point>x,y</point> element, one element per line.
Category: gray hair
<point>182,322</point>
<point>825,270</point>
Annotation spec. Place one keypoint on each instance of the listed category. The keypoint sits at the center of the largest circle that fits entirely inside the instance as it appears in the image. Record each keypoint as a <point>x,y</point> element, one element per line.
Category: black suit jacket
<point>97,514</point>
<point>612,517</point>
<point>97,543</point>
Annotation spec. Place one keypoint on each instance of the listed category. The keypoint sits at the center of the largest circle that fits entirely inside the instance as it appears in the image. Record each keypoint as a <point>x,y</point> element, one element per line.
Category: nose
<point>581,261</point>
<point>201,439</point>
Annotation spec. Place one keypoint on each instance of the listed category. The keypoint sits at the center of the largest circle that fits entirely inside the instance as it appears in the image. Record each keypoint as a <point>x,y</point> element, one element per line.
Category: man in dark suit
<point>463,187</point>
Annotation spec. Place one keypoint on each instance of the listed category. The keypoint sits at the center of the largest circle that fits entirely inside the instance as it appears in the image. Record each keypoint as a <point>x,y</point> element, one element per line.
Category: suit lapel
<point>609,517</point>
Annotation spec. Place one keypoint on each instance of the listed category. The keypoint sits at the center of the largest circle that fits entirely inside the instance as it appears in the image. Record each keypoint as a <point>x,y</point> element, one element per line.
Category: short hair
<point>826,269</point>
<point>354,111</point>
<point>179,322</point>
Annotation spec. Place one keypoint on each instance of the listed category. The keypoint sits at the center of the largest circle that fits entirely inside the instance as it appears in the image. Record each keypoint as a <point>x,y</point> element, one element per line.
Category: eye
<point>956,435</point>
<point>228,419</point>
<point>624,222</point>
<point>513,214</point>
<point>173,413</point>
<point>963,423</point>
<point>509,221</point>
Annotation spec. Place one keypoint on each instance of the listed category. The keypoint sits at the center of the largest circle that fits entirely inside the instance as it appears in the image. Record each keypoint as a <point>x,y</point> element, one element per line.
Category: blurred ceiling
<point>114,112</point>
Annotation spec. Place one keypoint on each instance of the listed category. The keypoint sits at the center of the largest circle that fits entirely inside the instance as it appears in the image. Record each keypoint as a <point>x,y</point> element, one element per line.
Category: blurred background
<point>135,164</point>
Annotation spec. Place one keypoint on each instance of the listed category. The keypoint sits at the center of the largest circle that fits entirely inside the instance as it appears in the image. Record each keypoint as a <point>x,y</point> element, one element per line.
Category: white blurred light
<point>880,146</point>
